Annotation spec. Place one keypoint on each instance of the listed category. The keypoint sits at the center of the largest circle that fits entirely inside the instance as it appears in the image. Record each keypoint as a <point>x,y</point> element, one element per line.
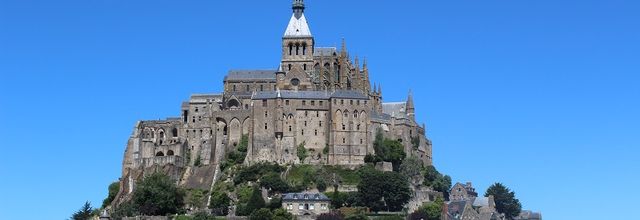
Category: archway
<point>159,154</point>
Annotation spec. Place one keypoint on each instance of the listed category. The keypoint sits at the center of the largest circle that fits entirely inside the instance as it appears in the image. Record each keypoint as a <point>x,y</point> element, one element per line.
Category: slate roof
<point>380,116</point>
<point>395,109</point>
<point>481,201</point>
<point>248,75</point>
<point>325,51</point>
<point>304,196</point>
<point>290,94</point>
<point>348,94</point>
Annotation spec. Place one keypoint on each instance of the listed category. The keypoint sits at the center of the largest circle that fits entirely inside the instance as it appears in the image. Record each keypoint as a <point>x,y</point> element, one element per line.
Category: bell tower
<point>297,42</point>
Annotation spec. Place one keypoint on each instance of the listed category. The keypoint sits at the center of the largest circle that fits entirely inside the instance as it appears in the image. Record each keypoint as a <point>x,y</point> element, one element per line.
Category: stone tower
<point>297,49</point>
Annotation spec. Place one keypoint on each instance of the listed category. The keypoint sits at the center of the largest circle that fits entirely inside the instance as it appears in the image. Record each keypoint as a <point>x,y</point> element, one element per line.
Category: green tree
<point>113,191</point>
<point>357,217</point>
<point>256,201</point>
<point>383,190</point>
<point>437,181</point>
<point>301,152</point>
<point>273,182</point>
<point>261,214</point>
<point>505,200</point>
<point>388,150</point>
<point>411,167</point>
<point>84,213</point>
<point>396,191</point>
<point>433,210</point>
<point>220,202</point>
<point>281,214</point>
<point>157,194</point>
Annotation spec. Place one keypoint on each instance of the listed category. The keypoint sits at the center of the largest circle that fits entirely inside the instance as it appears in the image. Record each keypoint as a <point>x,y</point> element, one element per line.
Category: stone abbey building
<point>318,97</point>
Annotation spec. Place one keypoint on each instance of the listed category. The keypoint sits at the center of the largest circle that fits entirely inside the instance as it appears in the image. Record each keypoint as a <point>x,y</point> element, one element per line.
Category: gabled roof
<point>395,109</point>
<point>236,75</point>
<point>304,196</point>
<point>298,27</point>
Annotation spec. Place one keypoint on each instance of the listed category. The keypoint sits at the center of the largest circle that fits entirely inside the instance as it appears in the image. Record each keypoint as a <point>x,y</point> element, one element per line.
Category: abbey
<point>318,98</point>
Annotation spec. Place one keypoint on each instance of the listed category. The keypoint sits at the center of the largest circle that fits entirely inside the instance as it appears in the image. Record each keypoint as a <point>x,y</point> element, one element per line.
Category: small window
<point>305,123</point>
<point>261,87</point>
<point>289,66</point>
<point>304,102</point>
<point>247,88</point>
<point>286,102</point>
<point>316,132</point>
<point>306,113</point>
<point>264,103</point>
<point>358,103</point>
<point>351,102</point>
<point>313,103</point>
<point>344,140</point>
<point>320,123</point>
<point>317,114</point>
<point>289,128</point>
<point>360,141</point>
<point>266,114</point>
<point>265,126</point>
<point>341,101</point>
<point>321,103</point>
<point>344,127</point>
<point>302,131</point>
<point>304,66</point>
<point>234,88</point>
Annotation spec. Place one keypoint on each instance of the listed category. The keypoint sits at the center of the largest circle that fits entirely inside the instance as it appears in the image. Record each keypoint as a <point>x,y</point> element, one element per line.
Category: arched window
<point>289,66</point>
<point>170,153</point>
<point>290,49</point>
<point>159,154</point>
<point>174,132</point>
<point>297,49</point>
<point>304,66</point>
<point>304,49</point>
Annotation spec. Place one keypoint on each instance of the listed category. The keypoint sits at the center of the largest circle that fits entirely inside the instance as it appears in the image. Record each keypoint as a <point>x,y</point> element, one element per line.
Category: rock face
<point>318,99</point>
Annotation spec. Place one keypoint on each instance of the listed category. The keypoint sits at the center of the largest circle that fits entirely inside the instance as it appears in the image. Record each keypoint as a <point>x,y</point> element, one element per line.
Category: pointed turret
<point>411,110</point>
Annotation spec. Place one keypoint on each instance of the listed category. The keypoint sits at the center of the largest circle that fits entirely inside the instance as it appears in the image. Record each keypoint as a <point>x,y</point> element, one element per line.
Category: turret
<point>297,42</point>
<point>411,110</point>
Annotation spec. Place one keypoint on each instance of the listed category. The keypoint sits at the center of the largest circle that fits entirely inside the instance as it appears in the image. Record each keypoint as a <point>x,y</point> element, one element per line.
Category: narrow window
<point>350,102</point>
<point>286,102</point>
<point>247,88</point>
<point>344,127</point>
<point>316,132</point>
<point>360,141</point>
<point>289,128</point>
<point>265,126</point>
<point>290,49</point>
<point>341,101</point>
<point>304,102</point>
<point>344,140</point>
<point>289,66</point>
<point>317,114</point>
<point>321,103</point>
<point>234,88</point>
<point>313,103</point>
<point>297,49</point>
<point>305,123</point>
<point>320,123</point>
<point>264,103</point>
<point>266,114</point>
<point>304,50</point>
<point>304,66</point>
<point>302,131</point>
<point>261,87</point>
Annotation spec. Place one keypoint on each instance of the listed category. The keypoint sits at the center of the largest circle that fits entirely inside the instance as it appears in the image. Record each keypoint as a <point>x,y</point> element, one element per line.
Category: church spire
<point>298,8</point>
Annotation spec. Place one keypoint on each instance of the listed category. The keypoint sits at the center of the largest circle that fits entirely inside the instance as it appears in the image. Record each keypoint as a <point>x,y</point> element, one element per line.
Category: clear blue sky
<point>542,95</point>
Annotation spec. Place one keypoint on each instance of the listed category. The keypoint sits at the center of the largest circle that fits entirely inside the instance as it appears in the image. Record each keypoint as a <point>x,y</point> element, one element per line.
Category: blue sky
<point>540,95</point>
